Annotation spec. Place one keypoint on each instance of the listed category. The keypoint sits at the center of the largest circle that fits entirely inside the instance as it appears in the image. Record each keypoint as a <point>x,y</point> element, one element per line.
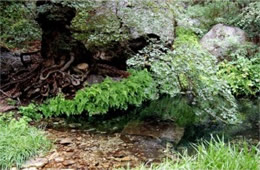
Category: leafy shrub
<point>249,19</point>
<point>30,111</point>
<point>214,155</point>
<point>242,75</point>
<point>188,71</point>
<point>19,142</point>
<point>99,98</point>
<point>168,108</point>
<point>18,27</point>
<point>202,16</point>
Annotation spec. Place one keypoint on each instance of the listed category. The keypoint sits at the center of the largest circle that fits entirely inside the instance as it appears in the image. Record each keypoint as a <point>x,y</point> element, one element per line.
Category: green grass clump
<point>19,142</point>
<point>214,155</point>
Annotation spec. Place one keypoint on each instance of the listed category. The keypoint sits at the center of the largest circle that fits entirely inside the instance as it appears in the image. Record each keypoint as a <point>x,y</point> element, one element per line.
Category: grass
<point>19,142</point>
<point>213,155</point>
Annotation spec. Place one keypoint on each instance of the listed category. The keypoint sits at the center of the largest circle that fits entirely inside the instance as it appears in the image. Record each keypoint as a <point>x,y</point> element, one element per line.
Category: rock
<point>59,159</point>
<point>69,150</point>
<point>221,39</point>
<point>74,125</point>
<point>66,141</point>
<point>37,162</point>
<point>31,168</point>
<point>68,162</point>
<point>53,156</point>
<point>162,130</point>
<point>82,66</point>
<point>142,19</point>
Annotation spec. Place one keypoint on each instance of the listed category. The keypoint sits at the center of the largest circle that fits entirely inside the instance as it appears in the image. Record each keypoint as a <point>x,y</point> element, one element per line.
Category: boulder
<point>164,131</point>
<point>221,39</point>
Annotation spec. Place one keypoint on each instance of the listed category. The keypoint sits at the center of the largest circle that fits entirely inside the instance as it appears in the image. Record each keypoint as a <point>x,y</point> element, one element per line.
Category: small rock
<point>68,162</point>
<point>82,66</point>
<point>79,138</point>
<point>66,141</point>
<point>90,130</point>
<point>13,168</point>
<point>59,159</point>
<point>54,155</point>
<point>69,150</point>
<point>126,158</point>
<point>73,130</point>
<point>31,168</point>
<point>74,125</point>
<point>38,162</point>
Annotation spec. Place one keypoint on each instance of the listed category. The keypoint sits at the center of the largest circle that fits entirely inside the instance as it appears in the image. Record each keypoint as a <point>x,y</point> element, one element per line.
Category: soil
<point>75,148</point>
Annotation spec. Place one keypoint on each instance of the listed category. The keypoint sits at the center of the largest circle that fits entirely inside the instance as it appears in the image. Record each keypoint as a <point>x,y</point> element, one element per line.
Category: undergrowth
<point>213,155</point>
<point>19,142</point>
<point>99,98</point>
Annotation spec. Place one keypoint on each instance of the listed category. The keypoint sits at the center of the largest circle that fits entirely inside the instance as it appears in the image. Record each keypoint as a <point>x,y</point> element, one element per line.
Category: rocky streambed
<point>88,148</point>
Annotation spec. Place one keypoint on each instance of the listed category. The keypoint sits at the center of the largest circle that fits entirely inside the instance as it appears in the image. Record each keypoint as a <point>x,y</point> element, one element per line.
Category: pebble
<point>66,141</point>
<point>31,168</point>
<point>38,162</point>
<point>59,159</point>
<point>68,162</point>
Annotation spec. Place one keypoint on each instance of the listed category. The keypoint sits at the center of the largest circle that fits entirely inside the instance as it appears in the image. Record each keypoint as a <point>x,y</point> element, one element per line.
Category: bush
<point>214,155</point>
<point>249,19</point>
<point>242,75</point>
<point>188,71</point>
<point>19,142</point>
<point>17,24</point>
<point>202,16</point>
<point>100,98</point>
<point>168,108</point>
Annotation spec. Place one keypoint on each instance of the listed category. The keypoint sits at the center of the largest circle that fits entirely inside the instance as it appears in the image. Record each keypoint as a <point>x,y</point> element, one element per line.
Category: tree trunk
<point>57,41</point>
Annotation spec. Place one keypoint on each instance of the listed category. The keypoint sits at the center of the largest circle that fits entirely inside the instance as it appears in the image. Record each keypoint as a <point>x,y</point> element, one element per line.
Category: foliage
<point>202,16</point>
<point>167,108</point>
<point>242,75</point>
<point>18,27</point>
<point>19,142</point>
<point>213,155</point>
<point>30,111</point>
<point>188,71</point>
<point>99,98</point>
<point>249,19</point>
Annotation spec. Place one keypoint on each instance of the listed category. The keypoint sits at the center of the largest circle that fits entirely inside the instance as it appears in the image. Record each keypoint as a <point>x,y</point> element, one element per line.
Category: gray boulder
<point>222,39</point>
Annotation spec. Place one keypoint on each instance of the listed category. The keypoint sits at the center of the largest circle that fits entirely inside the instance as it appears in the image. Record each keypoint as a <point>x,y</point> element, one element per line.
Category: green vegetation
<point>213,155</point>
<point>249,19</point>
<point>99,98</point>
<point>19,142</point>
<point>189,71</point>
<point>168,108</point>
<point>242,75</point>
<point>17,24</point>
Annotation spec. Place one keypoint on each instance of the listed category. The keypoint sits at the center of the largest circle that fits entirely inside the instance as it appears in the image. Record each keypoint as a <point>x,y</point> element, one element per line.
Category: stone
<point>162,130</point>
<point>82,66</point>
<point>37,162</point>
<point>68,162</point>
<point>59,159</point>
<point>31,168</point>
<point>74,125</point>
<point>221,39</point>
<point>66,141</point>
